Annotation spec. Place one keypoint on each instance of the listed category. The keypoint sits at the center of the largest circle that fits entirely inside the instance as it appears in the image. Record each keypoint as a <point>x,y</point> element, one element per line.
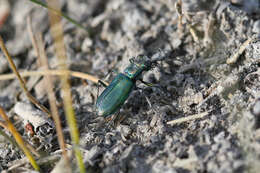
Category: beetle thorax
<point>133,71</point>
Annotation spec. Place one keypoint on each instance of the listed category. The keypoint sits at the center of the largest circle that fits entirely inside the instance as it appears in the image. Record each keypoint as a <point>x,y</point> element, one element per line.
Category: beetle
<point>117,92</point>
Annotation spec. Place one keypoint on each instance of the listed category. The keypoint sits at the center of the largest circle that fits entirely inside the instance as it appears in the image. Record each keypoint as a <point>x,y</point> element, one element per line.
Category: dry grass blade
<point>40,161</point>
<point>52,73</point>
<point>19,139</point>
<point>33,39</point>
<point>189,118</point>
<point>43,62</point>
<point>22,83</point>
<point>57,33</point>
<point>52,100</point>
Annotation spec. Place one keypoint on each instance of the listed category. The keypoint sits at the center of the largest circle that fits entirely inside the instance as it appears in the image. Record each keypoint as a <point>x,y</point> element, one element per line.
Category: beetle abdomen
<point>114,95</point>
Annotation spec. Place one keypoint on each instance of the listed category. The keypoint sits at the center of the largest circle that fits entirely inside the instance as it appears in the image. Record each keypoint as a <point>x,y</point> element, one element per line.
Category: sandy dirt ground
<point>202,114</point>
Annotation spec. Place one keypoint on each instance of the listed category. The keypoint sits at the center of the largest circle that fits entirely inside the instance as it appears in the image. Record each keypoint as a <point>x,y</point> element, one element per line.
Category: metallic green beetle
<point>117,92</point>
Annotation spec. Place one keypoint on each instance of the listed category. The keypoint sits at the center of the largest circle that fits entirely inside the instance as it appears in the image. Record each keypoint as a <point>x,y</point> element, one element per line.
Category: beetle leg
<point>150,85</point>
<point>118,119</point>
<point>102,83</point>
<point>107,76</point>
<point>147,99</point>
<point>113,120</point>
<point>146,83</point>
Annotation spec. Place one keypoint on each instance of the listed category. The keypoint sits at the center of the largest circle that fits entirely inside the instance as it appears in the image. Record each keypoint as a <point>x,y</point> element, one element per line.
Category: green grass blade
<point>58,12</point>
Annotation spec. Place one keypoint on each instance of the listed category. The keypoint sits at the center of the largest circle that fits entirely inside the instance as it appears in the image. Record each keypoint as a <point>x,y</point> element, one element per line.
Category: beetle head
<point>137,66</point>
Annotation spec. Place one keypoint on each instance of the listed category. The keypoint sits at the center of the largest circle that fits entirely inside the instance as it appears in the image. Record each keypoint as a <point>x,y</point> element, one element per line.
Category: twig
<point>233,59</point>
<point>181,14</point>
<point>189,118</point>
<point>209,30</point>
<point>178,7</point>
